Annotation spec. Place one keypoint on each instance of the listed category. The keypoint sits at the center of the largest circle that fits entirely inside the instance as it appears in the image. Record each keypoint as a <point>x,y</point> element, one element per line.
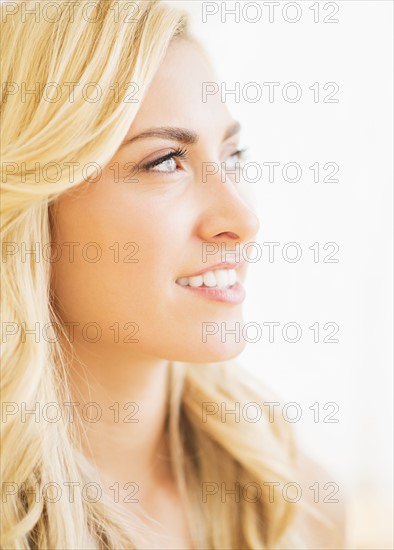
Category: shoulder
<point>323,519</point>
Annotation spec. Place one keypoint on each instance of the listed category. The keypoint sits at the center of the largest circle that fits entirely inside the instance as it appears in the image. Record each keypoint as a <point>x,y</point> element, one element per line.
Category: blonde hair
<point>107,46</point>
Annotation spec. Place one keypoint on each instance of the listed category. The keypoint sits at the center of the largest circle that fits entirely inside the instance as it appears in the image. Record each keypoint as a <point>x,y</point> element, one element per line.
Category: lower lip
<point>232,295</point>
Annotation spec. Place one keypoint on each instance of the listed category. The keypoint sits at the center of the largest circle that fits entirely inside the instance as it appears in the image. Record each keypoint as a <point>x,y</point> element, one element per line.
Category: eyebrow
<point>182,135</point>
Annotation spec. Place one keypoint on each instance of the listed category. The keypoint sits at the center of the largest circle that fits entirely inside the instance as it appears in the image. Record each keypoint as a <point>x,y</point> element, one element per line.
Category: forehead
<point>175,96</point>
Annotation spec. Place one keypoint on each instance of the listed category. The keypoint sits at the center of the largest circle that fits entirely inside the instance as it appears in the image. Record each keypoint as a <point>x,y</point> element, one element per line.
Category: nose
<point>225,215</point>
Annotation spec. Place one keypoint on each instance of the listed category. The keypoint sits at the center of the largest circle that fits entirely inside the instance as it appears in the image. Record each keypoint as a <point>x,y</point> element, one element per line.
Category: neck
<point>129,397</point>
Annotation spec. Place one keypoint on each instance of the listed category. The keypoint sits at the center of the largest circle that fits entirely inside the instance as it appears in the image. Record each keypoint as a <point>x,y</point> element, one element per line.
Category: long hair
<point>118,43</point>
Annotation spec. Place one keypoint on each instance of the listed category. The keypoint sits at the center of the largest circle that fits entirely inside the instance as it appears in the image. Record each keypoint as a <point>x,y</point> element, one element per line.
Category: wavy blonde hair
<point>115,43</point>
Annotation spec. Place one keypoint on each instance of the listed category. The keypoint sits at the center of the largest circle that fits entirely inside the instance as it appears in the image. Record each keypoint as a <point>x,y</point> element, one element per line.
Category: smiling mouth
<point>217,278</point>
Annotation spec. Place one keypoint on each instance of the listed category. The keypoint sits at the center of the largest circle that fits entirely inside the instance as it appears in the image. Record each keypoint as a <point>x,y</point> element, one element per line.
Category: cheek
<point>115,279</point>
<point>116,262</point>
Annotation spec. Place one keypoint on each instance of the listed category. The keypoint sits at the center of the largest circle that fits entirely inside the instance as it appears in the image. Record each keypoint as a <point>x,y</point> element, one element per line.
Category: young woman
<point>117,384</point>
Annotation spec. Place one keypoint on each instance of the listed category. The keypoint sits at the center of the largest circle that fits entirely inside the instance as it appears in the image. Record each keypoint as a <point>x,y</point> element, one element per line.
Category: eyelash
<point>182,153</point>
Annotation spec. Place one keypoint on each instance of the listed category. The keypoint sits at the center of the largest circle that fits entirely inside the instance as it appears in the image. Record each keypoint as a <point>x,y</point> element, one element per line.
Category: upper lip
<point>223,265</point>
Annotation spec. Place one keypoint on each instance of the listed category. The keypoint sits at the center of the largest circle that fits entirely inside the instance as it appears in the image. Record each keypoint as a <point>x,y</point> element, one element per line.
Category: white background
<point>355,213</point>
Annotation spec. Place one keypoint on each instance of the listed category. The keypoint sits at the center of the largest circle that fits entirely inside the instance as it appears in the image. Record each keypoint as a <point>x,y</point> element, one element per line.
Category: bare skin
<point>169,213</point>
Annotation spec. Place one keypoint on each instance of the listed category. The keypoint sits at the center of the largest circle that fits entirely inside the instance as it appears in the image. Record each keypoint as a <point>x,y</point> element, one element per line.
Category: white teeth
<point>219,278</point>
<point>196,281</point>
<point>232,277</point>
<point>209,279</point>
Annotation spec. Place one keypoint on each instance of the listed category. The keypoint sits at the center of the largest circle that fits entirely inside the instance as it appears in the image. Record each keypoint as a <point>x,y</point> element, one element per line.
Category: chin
<point>210,352</point>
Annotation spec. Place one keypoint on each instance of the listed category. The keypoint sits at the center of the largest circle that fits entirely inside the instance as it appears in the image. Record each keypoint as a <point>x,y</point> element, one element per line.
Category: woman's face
<point>136,234</point>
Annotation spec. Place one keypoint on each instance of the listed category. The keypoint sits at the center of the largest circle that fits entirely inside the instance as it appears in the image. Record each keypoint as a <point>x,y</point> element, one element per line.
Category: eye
<point>167,163</point>
<point>237,158</point>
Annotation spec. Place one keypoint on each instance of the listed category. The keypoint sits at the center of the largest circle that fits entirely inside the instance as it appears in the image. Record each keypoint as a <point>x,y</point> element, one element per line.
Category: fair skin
<point>170,213</point>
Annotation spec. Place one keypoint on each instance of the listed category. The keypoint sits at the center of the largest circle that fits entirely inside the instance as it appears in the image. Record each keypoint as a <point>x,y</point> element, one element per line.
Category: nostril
<point>228,234</point>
